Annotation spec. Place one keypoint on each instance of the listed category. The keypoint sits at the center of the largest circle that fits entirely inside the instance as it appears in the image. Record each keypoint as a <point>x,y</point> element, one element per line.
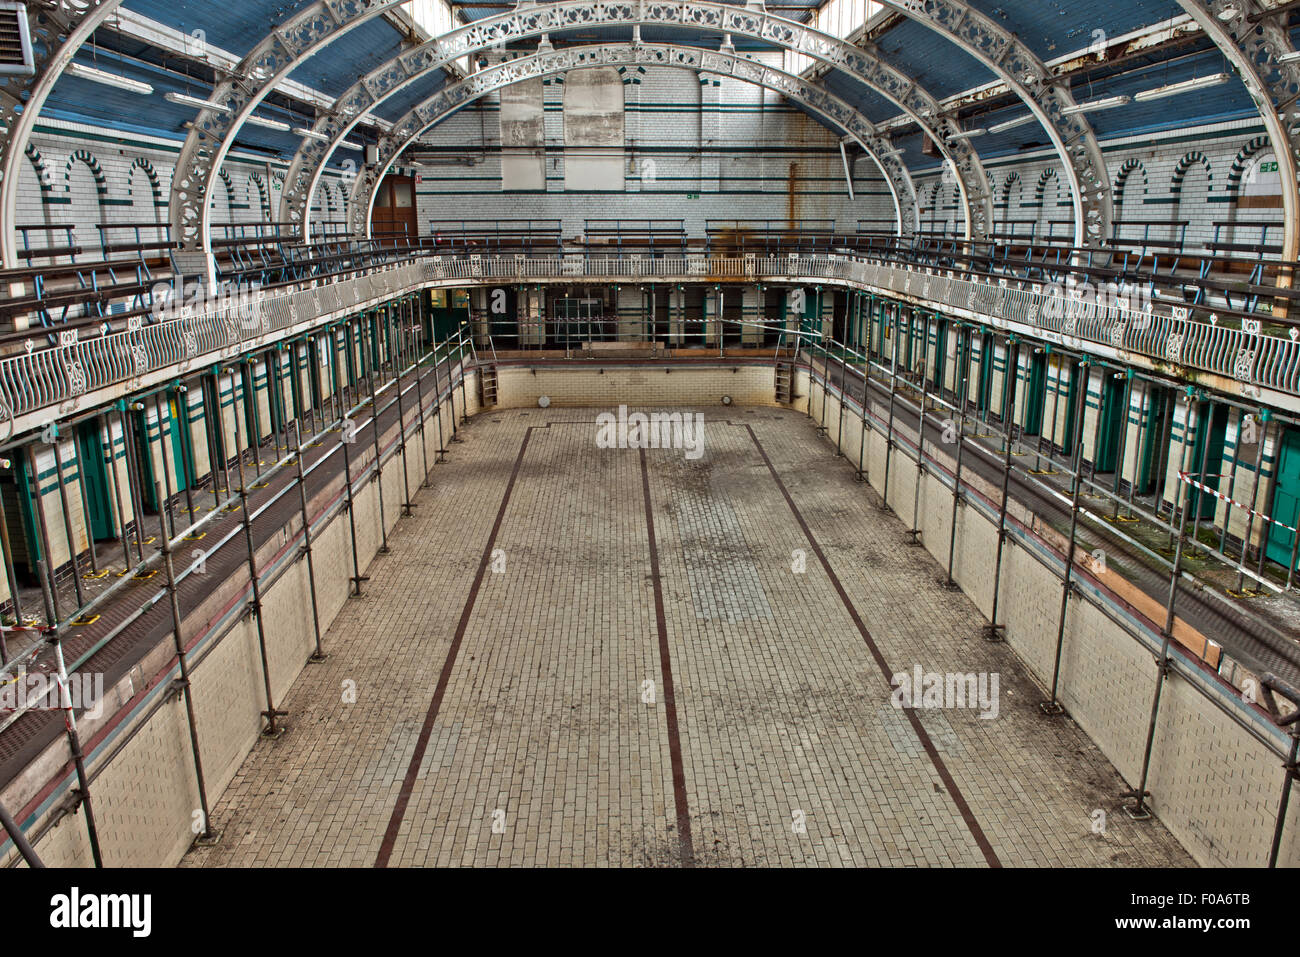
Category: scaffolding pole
<point>271,713</point>
<point>319,654</point>
<point>43,564</point>
<point>393,326</point>
<point>184,682</point>
<point>417,337</point>
<point>1139,810</point>
<point>994,631</point>
<point>464,397</point>
<point>66,509</point>
<point>914,533</point>
<point>963,356</point>
<point>74,744</point>
<point>379,461</point>
<point>1053,706</point>
<point>893,392</point>
<point>1254,500</point>
<point>20,839</point>
<point>861,474</point>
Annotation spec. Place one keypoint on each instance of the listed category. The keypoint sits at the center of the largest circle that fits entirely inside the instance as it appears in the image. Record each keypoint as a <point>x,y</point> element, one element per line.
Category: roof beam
<point>314,27</point>
<point>1254,44</point>
<point>1026,75</point>
<point>1175,31</point>
<point>389,78</point>
<point>58,30</point>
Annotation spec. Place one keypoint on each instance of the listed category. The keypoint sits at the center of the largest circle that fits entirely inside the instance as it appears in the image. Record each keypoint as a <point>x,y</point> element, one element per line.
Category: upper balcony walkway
<point>51,372</point>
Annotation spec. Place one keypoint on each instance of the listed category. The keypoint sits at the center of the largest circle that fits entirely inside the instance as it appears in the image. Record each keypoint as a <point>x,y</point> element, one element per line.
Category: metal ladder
<point>487,386</point>
<point>784,379</point>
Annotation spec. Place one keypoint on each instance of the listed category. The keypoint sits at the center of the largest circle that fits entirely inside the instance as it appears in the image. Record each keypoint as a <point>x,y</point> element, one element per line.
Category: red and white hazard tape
<point>1186,477</point>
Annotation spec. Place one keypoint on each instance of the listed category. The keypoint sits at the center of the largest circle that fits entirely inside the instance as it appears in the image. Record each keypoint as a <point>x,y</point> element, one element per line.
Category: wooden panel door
<point>393,218</point>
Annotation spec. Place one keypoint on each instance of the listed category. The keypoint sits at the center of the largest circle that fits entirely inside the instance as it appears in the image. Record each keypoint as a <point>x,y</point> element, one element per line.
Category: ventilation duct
<point>15,40</point>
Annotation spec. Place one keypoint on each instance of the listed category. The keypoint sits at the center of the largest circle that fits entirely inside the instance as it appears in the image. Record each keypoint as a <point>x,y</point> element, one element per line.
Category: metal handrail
<point>48,377</point>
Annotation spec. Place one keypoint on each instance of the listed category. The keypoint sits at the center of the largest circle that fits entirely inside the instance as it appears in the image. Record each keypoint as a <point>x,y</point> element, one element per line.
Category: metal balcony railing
<point>1242,350</point>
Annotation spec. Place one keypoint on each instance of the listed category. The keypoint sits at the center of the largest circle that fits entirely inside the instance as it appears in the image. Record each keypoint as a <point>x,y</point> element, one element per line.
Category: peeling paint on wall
<point>593,129</point>
<point>523,156</point>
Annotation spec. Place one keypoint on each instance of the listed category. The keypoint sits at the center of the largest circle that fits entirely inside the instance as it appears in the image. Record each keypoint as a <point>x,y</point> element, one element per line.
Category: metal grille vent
<point>15,40</point>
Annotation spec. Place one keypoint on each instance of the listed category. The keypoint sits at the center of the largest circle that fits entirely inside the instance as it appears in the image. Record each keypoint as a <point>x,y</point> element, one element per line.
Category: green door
<point>376,358</point>
<point>1071,404</point>
<point>1213,428</point>
<point>986,373</point>
<point>94,475</point>
<point>295,370</point>
<point>940,352</point>
<point>183,470</point>
<point>275,371</point>
<point>1036,395</point>
<point>31,538</point>
<point>140,436</point>
<point>349,354</point>
<point>1152,431</point>
<point>1113,416</point>
<point>215,424</point>
<point>1286,497</point>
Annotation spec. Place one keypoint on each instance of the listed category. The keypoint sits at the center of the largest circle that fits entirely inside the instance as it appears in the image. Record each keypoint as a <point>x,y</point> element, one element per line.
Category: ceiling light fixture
<point>184,99</point>
<point>1105,103</point>
<point>1012,124</point>
<point>269,124</point>
<point>108,79</point>
<point>1186,86</point>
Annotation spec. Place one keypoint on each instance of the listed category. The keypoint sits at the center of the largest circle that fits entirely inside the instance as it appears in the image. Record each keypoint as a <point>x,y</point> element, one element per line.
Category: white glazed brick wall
<point>82,175</point>
<point>638,388</point>
<point>1193,175</point>
<point>731,161</point>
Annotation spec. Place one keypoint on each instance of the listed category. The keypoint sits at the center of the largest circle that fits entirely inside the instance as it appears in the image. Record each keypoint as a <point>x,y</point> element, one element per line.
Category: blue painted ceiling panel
<point>234,25</point>
<point>85,101</point>
<point>352,55</point>
<point>1054,28</point>
<point>930,58</point>
<point>401,102</point>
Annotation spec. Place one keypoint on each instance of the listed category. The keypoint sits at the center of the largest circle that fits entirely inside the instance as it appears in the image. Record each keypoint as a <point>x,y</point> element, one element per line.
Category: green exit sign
<point>1270,167</point>
<point>692,195</point>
